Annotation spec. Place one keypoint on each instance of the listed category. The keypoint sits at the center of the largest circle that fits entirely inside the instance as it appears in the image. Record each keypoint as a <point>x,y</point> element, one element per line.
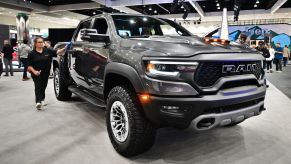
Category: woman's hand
<point>36,73</point>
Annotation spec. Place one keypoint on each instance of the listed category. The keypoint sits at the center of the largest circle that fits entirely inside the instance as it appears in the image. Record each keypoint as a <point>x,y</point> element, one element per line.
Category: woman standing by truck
<point>39,65</point>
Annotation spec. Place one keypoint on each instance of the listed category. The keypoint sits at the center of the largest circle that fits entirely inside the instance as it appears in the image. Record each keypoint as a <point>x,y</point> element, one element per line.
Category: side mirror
<point>91,35</point>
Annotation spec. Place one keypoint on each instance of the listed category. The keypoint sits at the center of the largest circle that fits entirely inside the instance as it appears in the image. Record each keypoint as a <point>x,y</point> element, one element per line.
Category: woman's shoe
<point>38,106</point>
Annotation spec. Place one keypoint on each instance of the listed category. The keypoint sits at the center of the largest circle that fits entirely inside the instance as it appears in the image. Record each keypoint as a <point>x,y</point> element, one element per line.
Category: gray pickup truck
<point>148,73</point>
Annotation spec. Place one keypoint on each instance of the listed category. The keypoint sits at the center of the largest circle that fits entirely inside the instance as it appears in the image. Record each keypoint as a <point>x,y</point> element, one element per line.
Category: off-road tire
<point>141,132</point>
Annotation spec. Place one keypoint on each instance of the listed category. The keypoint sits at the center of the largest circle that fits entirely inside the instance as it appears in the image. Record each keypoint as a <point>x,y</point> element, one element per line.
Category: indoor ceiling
<point>58,2</point>
<point>75,10</point>
<point>165,8</point>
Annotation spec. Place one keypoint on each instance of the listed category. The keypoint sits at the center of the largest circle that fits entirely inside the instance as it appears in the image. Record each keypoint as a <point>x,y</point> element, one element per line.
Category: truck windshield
<point>144,26</point>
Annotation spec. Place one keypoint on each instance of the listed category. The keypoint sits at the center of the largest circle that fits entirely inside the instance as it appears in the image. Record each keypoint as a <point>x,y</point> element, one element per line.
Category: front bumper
<point>180,112</point>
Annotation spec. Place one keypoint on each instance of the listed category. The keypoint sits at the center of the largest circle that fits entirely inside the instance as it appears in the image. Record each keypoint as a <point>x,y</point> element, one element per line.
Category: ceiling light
<point>144,19</point>
<point>94,12</point>
<point>150,9</point>
<point>131,21</point>
<point>218,8</point>
<point>182,7</point>
<point>257,2</point>
<point>255,5</point>
<point>217,4</point>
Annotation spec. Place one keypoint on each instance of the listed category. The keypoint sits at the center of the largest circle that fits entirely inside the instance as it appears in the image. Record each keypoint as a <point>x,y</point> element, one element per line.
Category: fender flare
<point>126,71</point>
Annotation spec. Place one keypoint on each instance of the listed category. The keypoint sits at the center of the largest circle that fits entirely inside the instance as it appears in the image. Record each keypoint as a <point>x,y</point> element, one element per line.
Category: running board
<point>87,97</point>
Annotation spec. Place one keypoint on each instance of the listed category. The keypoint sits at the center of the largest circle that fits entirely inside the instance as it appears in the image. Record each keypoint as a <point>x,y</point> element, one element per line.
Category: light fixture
<point>217,4</point>
<point>257,2</point>
<point>150,9</point>
<point>131,21</point>
<point>218,8</point>
<point>94,12</point>
<point>155,11</point>
<point>255,5</point>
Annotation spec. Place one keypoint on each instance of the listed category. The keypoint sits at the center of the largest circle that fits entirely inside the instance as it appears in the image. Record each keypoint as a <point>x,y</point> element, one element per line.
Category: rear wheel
<point>60,86</point>
<point>128,129</point>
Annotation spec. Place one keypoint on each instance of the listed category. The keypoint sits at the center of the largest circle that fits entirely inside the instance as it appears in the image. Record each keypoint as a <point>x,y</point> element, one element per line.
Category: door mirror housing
<point>91,35</point>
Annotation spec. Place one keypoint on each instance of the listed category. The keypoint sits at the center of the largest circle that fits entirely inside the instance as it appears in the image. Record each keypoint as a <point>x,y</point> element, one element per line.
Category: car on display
<point>148,73</point>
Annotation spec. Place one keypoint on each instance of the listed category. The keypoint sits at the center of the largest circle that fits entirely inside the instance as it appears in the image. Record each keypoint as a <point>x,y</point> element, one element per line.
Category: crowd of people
<point>23,50</point>
<point>36,60</point>
<point>277,55</point>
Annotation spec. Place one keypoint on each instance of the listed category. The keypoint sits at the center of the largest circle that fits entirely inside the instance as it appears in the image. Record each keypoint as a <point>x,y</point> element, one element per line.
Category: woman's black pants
<point>40,84</point>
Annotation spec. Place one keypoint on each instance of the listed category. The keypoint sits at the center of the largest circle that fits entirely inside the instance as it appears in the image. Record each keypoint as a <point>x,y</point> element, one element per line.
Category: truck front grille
<point>208,73</point>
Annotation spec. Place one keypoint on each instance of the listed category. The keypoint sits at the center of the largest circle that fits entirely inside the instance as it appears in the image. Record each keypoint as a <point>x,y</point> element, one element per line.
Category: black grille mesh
<point>234,107</point>
<point>208,73</point>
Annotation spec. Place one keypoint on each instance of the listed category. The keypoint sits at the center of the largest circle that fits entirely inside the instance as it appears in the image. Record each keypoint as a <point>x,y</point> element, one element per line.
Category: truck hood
<point>180,46</point>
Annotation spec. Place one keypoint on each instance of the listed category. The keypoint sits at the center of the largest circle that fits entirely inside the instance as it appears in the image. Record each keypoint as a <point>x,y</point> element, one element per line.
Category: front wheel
<point>60,86</point>
<point>128,129</point>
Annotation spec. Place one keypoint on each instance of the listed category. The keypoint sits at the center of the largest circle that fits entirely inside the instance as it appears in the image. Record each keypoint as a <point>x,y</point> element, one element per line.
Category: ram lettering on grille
<point>239,68</point>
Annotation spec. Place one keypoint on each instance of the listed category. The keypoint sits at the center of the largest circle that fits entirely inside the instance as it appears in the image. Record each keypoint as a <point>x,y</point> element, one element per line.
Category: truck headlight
<point>168,68</point>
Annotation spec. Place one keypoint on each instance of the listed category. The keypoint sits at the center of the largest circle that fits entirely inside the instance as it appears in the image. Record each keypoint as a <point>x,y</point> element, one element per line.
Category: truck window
<point>144,26</point>
<point>101,26</point>
<point>83,25</point>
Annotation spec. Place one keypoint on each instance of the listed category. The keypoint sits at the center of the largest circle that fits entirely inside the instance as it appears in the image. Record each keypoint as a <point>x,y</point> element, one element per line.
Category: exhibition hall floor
<point>74,132</point>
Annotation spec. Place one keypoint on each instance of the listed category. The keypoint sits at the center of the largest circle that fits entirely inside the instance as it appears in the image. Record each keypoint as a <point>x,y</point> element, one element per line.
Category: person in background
<point>47,44</point>
<point>270,59</point>
<point>278,57</point>
<point>39,64</point>
<point>286,55</point>
<point>7,53</point>
<point>265,52</point>
<point>23,52</point>
<point>1,64</point>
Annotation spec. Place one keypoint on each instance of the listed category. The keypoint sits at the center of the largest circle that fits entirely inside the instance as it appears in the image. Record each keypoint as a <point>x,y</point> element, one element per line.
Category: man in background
<point>286,55</point>
<point>1,65</point>
<point>7,51</point>
<point>278,57</point>
<point>264,51</point>
<point>23,51</point>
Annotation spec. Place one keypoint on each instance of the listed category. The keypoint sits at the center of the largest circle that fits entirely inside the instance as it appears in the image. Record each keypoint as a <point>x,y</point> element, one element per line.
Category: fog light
<point>170,107</point>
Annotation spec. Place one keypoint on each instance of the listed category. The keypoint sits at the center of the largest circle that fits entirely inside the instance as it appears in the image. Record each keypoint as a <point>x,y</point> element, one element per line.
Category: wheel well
<point>113,80</point>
